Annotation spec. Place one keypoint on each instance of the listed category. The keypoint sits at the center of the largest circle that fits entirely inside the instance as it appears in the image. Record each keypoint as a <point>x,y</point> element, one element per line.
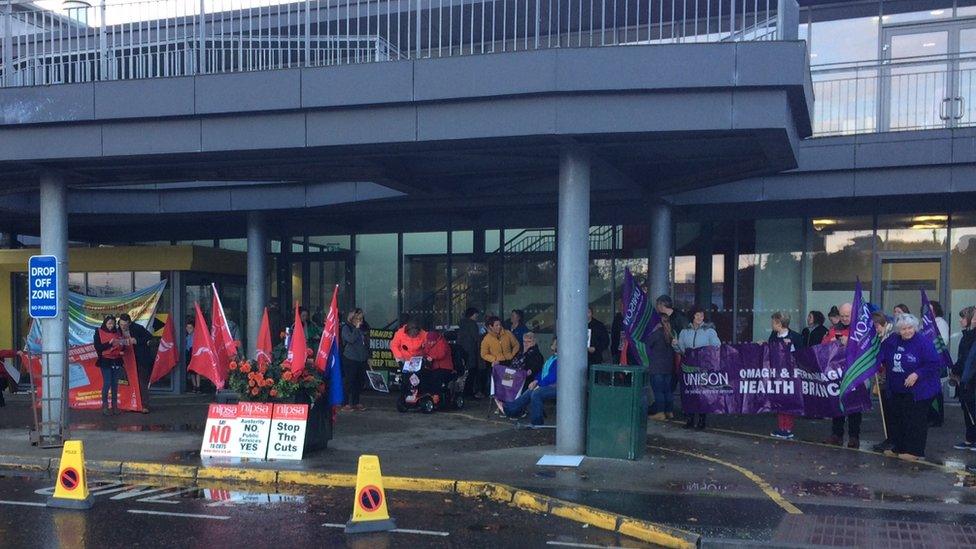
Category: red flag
<point>166,356</point>
<point>330,333</point>
<point>264,347</point>
<point>298,346</point>
<point>220,332</point>
<point>204,360</point>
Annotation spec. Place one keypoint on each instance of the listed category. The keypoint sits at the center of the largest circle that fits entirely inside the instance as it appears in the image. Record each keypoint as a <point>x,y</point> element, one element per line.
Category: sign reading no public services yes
<point>42,286</point>
<point>220,435</point>
<point>254,427</point>
<point>288,431</point>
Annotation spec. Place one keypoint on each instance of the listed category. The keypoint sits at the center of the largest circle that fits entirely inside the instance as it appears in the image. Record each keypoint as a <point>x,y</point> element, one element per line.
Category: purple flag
<point>640,318</point>
<point>862,348</point>
<point>931,330</point>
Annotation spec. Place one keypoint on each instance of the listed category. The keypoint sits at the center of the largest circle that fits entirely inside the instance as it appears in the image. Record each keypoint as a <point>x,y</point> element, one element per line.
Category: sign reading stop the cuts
<point>288,431</point>
<point>42,286</point>
<point>220,436</point>
<point>254,427</point>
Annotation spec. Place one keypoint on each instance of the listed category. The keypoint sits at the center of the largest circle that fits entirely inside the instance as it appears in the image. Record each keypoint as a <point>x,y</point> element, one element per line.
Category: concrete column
<point>659,250</point>
<point>54,331</point>
<point>572,290</point>
<point>257,277</point>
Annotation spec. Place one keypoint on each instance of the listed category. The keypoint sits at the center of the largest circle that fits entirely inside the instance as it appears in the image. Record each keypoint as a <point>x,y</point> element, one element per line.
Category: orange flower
<point>233,366</point>
<point>274,393</point>
<point>287,375</point>
<point>255,391</point>
<point>246,368</point>
<point>252,383</point>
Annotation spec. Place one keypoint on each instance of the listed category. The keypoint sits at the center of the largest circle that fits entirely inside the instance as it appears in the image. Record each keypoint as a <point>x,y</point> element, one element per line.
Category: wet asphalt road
<point>149,513</point>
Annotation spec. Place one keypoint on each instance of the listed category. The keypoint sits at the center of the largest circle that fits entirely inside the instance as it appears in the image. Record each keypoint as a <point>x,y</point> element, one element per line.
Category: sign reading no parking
<point>42,286</point>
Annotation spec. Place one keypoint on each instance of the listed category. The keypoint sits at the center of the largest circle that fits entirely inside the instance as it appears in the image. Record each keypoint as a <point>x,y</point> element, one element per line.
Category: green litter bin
<point>616,420</point>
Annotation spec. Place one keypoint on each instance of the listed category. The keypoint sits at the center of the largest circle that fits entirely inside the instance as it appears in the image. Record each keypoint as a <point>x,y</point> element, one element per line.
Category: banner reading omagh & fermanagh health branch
<point>85,315</point>
<point>752,378</point>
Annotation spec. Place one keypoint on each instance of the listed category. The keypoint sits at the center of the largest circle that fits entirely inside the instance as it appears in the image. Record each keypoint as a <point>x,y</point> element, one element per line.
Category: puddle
<point>856,491</point>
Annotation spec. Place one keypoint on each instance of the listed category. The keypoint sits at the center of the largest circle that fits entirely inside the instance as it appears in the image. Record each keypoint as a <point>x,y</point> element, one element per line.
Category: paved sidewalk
<point>730,482</point>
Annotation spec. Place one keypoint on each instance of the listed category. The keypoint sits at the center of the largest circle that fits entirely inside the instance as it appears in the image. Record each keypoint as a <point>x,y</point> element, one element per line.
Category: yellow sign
<point>369,512</point>
<point>71,488</point>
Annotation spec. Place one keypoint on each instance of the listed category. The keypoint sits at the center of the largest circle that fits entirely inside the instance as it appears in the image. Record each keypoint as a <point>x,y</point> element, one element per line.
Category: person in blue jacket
<point>536,394</point>
<point>912,368</point>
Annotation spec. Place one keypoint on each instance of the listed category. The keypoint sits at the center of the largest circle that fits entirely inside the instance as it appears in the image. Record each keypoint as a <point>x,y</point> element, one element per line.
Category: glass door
<point>902,275</point>
<point>928,76</point>
<point>915,77</point>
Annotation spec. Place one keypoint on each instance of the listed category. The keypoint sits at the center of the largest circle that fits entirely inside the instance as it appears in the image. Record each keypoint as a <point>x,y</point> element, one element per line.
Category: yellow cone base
<point>366,526</point>
<point>62,503</point>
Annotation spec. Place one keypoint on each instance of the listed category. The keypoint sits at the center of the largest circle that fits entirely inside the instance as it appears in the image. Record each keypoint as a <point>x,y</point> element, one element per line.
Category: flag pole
<point>884,424</point>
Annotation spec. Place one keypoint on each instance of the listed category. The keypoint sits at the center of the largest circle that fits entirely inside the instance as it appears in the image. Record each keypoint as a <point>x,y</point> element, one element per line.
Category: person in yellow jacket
<point>499,345</point>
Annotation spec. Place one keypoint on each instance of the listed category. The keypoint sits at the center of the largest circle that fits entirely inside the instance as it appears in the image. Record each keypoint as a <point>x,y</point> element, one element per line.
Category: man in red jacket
<point>840,332</point>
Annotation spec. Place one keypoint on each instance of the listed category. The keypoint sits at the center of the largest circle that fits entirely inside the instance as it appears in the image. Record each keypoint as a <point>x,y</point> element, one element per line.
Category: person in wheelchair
<point>438,365</point>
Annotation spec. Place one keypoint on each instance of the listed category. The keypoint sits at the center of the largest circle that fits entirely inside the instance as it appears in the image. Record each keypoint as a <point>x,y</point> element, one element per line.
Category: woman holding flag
<point>912,366</point>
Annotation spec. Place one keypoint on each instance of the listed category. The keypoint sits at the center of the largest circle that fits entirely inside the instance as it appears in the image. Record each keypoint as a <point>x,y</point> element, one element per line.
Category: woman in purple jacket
<point>912,369</point>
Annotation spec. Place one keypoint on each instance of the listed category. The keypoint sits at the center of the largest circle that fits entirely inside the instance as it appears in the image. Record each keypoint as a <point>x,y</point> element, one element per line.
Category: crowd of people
<point>909,384</point>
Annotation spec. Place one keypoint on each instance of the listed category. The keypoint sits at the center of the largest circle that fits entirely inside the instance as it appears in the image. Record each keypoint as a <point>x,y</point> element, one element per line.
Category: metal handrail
<point>913,93</point>
<point>76,44</point>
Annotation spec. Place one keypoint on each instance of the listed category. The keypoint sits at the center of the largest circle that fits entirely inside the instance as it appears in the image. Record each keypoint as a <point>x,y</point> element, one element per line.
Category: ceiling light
<point>928,44</point>
<point>819,224</point>
<point>927,226</point>
<point>929,218</point>
<point>814,55</point>
<point>936,12</point>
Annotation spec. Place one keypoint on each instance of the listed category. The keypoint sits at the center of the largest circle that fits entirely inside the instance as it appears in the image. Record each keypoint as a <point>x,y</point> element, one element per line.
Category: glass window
<point>376,255</point>
<point>704,252</point>
<point>276,246</point>
<point>298,245</point>
<point>462,242</point>
<point>146,279</point>
<point>109,284</point>
<point>492,240</point>
<point>329,243</point>
<point>203,243</point>
<point>843,40</point>
<point>770,275</point>
<point>913,232</point>
<point>297,282</point>
<point>237,244</point>
<point>962,275</point>
<point>426,292</point>
<point>530,276</point>
<point>76,283</point>
<point>840,250</point>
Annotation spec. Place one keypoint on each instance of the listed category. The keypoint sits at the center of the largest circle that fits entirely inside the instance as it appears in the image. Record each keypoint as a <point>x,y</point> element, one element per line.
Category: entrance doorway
<point>314,275</point>
<point>902,274</point>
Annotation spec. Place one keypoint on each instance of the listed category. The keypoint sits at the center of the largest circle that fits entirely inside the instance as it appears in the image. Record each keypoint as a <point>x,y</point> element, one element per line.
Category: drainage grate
<point>840,531</point>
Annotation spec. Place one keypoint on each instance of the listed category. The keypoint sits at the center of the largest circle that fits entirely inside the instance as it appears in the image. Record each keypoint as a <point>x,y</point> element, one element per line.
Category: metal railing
<point>50,42</point>
<point>915,93</point>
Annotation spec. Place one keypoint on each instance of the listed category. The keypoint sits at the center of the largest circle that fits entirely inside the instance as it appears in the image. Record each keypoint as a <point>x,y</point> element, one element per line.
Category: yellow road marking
<point>939,466</point>
<point>763,485</point>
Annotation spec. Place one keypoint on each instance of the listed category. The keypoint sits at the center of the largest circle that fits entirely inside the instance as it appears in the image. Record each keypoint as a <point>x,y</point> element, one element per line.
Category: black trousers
<point>910,423</point>
<point>353,377</point>
<point>853,426</point>
<point>967,398</point>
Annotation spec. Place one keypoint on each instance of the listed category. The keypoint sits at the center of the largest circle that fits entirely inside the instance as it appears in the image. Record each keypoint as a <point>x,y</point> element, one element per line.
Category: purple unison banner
<point>754,378</point>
